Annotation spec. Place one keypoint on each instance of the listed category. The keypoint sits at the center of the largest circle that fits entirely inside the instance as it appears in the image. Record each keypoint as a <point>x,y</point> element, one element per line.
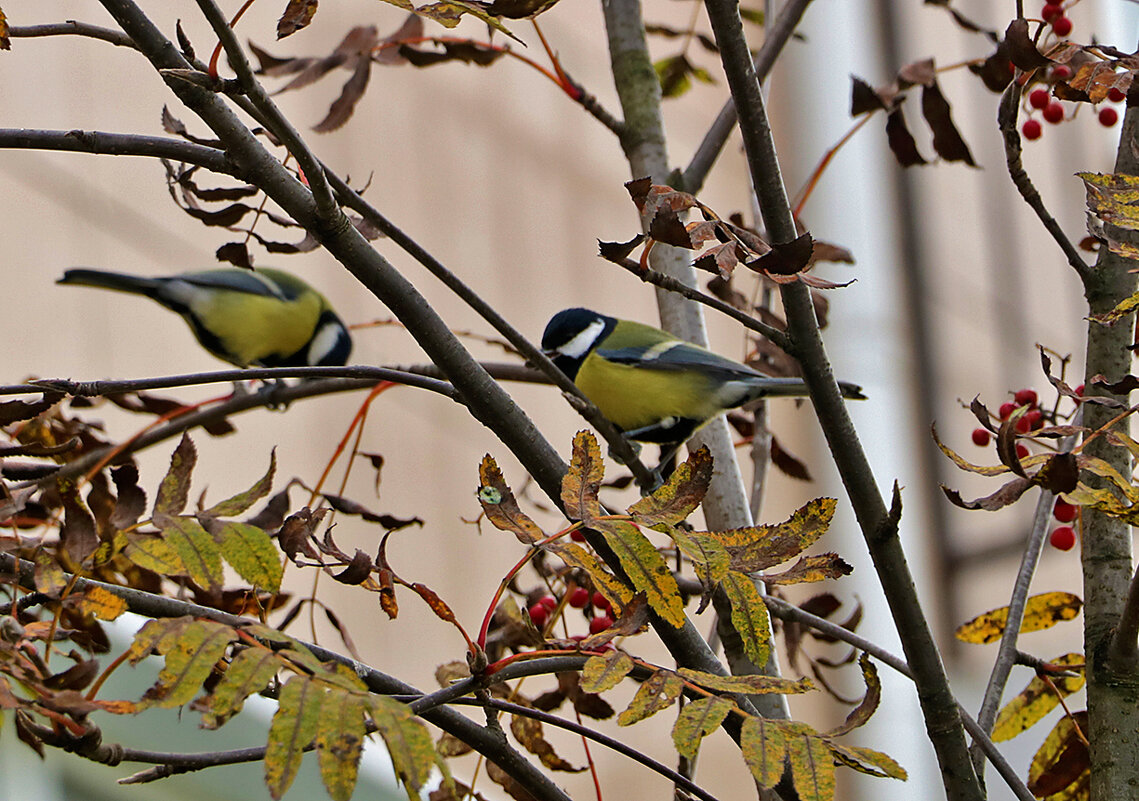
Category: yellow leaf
<point>1061,767</point>
<point>583,479</point>
<point>865,760</point>
<point>812,767</point>
<point>764,749</point>
<point>750,684</point>
<point>708,555</point>
<point>1037,699</point>
<point>48,575</point>
<point>749,616</point>
<point>679,496</point>
<point>616,592</point>
<point>102,603</point>
<point>645,567</point>
<point>500,506</point>
<point>250,672</point>
<point>603,673</point>
<point>696,721</point>
<point>658,692</point>
<point>197,550</point>
<point>152,552</point>
<point>189,662</point>
<point>1040,612</point>
<point>408,742</point>
<point>760,547</point>
<point>964,464</point>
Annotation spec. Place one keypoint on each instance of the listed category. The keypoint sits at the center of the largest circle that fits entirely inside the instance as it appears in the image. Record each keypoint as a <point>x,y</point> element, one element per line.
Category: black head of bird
<point>651,385</point>
<point>263,318</point>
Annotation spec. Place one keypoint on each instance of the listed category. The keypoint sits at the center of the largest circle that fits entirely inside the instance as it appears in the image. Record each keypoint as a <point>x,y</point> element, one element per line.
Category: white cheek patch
<point>580,344</point>
<point>323,343</point>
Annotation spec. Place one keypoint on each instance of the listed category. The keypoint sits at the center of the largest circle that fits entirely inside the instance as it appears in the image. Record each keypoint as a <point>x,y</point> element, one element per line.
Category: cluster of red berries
<point>594,605</point>
<point>1063,537</point>
<point>1031,420</point>
<point>1053,14</point>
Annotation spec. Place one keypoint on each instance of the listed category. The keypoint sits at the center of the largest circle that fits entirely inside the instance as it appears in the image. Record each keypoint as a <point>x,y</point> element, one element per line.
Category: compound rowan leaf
<point>189,661</point>
<point>679,497</point>
<point>603,673</point>
<point>250,672</point>
<point>1037,699</point>
<point>812,767</point>
<point>1040,612</point>
<point>252,554</point>
<point>500,506</point>
<point>407,739</point>
<point>583,479</point>
<point>764,748</point>
<point>340,734</point>
<point>1062,762</point>
<point>659,691</point>
<point>696,721</point>
<point>749,616</point>
<point>244,500</point>
<point>756,548</point>
<point>294,725</point>
<point>645,567</point>
<point>749,684</point>
<point>175,487</point>
<point>196,548</point>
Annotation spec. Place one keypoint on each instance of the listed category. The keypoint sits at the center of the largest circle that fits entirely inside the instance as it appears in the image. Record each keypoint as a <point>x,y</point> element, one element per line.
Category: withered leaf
<point>901,141</point>
<point>297,532</point>
<point>618,251</point>
<point>341,109</point>
<point>788,464</point>
<point>997,70</point>
<point>236,253</point>
<point>947,140</point>
<point>468,52</point>
<point>863,98</point>
<point>350,507</point>
<point>1007,494</point>
<point>298,14</point>
<point>786,258</point>
<point>1060,473</point>
<point>1021,49</point>
<point>357,570</point>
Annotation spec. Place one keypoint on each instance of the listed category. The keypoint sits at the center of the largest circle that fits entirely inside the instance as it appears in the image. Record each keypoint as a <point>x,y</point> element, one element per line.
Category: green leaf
<point>250,672</point>
<point>749,616</point>
<point>251,552</point>
<point>645,567</point>
<point>340,734</point>
<point>603,673</point>
<point>154,553</point>
<point>409,744</point>
<point>764,749</point>
<point>175,487</point>
<point>189,662</point>
<point>293,727</point>
<point>696,721</point>
<point>242,501</point>
<point>197,550</point>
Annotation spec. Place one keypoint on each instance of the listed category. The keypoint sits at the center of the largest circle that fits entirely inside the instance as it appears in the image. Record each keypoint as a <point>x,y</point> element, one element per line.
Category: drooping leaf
<point>407,739</point>
<point>696,721</point>
<point>78,535</point>
<point>947,140</point>
<point>659,691</point>
<point>869,703</point>
<point>529,733</point>
<point>500,506</point>
<point>340,734</point>
<point>1037,699</point>
<point>747,684</point>
<point>250,672</point>
<point>764,748</point>
<point>298,14</point>
<point>1040,612</point>
<point>49,576</point>
<point>900,140</point>
<point>583,479</point>
<point>865,760</point>
<point>1062,761</point>
<point>299,708</point>
<point>252,554</point>
<point>645,567</point>
<point>189,660</point>
<point>749,616</point>
<point>812,767</point>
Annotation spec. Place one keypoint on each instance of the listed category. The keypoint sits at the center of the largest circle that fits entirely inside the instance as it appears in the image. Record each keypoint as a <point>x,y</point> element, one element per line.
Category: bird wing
<point>675,356</point>
<point>234,281</point>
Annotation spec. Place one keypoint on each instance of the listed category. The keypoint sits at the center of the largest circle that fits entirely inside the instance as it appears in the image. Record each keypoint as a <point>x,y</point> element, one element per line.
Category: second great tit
<point>654,387</point>
<point>263,318</point>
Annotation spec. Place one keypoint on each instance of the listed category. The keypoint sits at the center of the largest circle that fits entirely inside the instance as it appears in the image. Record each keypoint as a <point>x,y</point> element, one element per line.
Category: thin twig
<point>117,144</point>
<point>72,28</point>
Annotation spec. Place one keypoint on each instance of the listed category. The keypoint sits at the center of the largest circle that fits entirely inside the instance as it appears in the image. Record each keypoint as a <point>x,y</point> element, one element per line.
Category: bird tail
<point>796,387</point>
<point>119,282</point>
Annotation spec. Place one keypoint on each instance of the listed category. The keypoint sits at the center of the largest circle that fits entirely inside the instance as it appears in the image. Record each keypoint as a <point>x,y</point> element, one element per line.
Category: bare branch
<point>72,28</point>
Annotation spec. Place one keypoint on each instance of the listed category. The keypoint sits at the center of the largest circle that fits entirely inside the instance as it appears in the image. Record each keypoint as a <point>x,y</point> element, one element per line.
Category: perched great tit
<point>653,386</point>
<point>263,318</point>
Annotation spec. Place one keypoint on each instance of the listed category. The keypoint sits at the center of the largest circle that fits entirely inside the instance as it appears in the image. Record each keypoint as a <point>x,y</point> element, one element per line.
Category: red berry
<point>1023,425</point>
<point>600,623</point>
<point>1061,72</point>
<point>1116,95</point>
<point>980,437</point>
<point>1063,538</point>
<point>578,597</point>
<point>1054,112</point>
<point>1064,511</point>
<point>1025,397</point>
<point>1006,409</point>
<point>1021,451</point>
<point>539,614</point>
<point>1080,390</point>
<point>548,601</point>
<point>1039,98</point>
<point>1032,129</point>
<point>1035,419</point>
<point>577,535</point>
<point>601,602</point>
<point>1061,26</point>
<point>1051,11</point>
<point>1108,116</point>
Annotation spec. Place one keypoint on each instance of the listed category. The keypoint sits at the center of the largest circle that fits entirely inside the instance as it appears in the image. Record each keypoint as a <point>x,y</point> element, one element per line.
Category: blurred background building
<point>510,185</point>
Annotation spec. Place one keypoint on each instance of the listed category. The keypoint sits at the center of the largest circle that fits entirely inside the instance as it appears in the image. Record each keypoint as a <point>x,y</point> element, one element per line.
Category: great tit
<point>263,318</point>
<point>653,386</point>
